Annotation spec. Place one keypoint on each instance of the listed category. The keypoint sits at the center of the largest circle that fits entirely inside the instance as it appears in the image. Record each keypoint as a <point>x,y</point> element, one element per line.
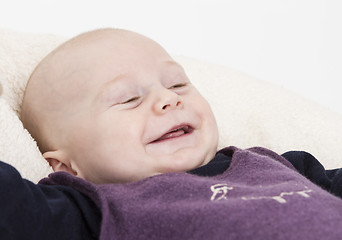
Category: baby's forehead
<point>92,59</point>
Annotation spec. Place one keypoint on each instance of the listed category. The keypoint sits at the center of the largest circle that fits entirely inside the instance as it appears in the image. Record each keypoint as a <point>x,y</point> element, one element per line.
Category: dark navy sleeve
<point>35,211</point>
<point>311,168</point>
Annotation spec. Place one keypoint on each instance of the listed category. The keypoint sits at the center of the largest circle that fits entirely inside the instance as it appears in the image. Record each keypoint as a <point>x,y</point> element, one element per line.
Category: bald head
<point>58,82</point>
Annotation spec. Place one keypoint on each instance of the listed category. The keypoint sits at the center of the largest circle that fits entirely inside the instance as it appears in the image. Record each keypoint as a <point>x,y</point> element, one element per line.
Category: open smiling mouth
<point>175,132</point>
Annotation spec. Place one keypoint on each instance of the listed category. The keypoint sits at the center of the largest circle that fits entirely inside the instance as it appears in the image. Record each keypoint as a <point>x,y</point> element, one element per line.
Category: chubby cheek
<point>120,134</point>
<point>202,108</point>
<point>211,127</point>
<point>208,121</point>
<point>114,150</point>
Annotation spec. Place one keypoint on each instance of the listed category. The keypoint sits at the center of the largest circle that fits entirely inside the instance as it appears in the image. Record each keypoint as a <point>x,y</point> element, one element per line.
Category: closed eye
<point>178,85</point>
<point>133,99</point>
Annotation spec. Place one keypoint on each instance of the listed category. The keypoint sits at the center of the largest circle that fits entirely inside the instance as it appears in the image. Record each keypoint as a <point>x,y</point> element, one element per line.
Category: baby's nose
<point>168,100</point>
<point>177,104</point>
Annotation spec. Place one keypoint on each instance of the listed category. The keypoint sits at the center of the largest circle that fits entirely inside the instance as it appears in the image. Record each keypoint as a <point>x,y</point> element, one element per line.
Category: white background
<point>296,44</point>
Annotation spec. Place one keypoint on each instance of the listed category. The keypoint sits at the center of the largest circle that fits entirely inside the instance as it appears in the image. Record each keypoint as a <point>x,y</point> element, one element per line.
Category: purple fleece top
<point>260,196</point>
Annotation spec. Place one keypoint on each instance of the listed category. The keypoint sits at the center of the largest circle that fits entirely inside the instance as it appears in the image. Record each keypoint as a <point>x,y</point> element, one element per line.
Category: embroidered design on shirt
<point>220,191</point>
<point>281,197</point>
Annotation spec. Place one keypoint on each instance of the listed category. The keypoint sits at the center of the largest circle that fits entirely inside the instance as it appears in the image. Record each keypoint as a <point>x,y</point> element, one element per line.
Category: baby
<point>134,149</point>
<point>112,106</point>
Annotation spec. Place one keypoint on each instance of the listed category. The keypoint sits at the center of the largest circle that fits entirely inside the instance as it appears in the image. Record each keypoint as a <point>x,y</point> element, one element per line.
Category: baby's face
<point>132,112</point>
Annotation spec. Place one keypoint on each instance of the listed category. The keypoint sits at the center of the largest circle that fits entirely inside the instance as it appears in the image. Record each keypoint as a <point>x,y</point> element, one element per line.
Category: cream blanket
<point>250,112</point>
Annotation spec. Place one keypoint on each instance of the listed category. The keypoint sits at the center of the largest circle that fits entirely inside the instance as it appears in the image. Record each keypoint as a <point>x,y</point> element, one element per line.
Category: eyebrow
<point>106,86</point>
<point>173,63</point>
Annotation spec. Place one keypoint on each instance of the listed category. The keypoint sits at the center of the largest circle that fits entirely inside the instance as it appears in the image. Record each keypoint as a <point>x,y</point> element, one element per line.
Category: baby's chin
<point>184,161</point>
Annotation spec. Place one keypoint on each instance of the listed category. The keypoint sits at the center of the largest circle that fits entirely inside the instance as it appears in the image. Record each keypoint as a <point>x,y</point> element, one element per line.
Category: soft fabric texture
<point>19,54</point>
<point>33,211</point>
<point>40,211</point>
<point>260,196</point>
<point>250,112</point>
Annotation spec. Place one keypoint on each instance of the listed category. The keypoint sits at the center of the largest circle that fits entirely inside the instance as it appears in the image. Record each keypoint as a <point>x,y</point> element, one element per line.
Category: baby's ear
<point>59,162</point>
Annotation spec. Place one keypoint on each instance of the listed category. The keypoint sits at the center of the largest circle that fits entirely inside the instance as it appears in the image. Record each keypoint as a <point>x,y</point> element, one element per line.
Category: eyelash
<point>133,99</point>
<point>178,85</point>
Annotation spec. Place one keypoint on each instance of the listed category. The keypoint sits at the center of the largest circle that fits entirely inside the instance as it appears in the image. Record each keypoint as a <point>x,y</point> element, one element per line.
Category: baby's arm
<point>30,211</point>
<point>311,168</point>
